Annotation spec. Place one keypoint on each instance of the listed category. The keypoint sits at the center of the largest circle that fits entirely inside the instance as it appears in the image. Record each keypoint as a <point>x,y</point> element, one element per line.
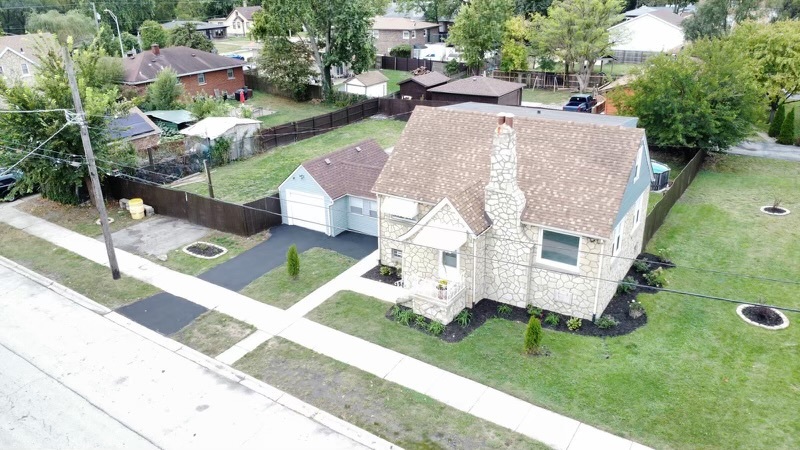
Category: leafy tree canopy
<point>188,36</point>
<point>713,17</point>
<point>514,52</point>
<point>203,106</point>
<point>432,10</point>
<point>151,33</point>
<point>165,92</point>
<point>287,65</point>
<point>73,23</point>
<point>478,29</point>
<point>130,13</point>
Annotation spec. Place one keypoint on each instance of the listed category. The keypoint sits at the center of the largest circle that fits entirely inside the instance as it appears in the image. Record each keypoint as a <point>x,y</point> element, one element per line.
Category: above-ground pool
<point>660,176</point>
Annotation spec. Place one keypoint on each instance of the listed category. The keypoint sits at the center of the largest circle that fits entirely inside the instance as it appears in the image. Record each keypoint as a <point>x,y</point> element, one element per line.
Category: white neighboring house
<point>19,56</point>
<point>372,84</point>
<point>657,31</point>
<point>240,20</point>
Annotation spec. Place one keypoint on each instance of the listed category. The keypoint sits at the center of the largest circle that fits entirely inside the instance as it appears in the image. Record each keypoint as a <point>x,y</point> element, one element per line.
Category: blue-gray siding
<point>339,213</point>
<point>362,223</point>
<point>634,190</point>
<point>305,184</point>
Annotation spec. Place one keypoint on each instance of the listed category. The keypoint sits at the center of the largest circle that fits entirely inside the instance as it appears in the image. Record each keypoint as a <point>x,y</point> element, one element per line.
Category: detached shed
<point>135,128</point>
<point>201,136</point>
<point>173,119</point>
<point>372,84</point>
<point>417,87</point>
<point>479,89</point>
<point>333,193</point>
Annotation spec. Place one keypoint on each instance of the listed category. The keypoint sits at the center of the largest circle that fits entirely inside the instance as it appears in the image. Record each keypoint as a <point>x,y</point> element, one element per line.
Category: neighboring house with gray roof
<point>417,87</point>
<point>209,29</point>
<point>333,193</point>
<point>528,211</point>
<point>19,55</point>
<point>372,84</point>
<point>478,89</point>
<point>240,20</point>
<point>197,70</point>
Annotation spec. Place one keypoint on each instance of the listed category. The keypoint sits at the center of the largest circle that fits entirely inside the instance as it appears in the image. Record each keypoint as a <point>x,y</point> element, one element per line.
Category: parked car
<point>7,182</point>
<point>580,103</point>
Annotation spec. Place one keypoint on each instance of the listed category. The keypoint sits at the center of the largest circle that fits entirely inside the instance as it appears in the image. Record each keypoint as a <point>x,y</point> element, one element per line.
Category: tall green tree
<point>188,36</point>
<point>432,10</point>
<point>714,18</point>
<point>775,51</point>
<point>336,31</point>
<point>74,23</point>
<point>191,9</point>
<point>514,50</point>
<point>478,29</point>
<point>203,106</point>
<point>151,33</point>
<point>55,173</point>
<point>287,65</point>
<point>130,13</point>
<point>165,92</point>
<point>577,32</point>
<point>777,122</point>
<point>527,8</point>
<point>787,135</point>
<point>705,97</point>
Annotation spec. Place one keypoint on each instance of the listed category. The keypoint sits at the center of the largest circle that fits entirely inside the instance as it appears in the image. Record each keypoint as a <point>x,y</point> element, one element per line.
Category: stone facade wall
<point>392,229</point>
<point>12,68</point>
<point>437,311</point>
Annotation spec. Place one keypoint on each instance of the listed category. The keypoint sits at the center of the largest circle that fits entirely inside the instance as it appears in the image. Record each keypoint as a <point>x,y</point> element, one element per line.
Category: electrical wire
<point>35,149</point>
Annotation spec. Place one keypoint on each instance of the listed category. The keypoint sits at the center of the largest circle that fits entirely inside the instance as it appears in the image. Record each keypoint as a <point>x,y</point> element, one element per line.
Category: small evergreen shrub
<point>464,317</point>
<point>656,278</point>
<point>451,68</point>
<point>786,136</point>
<point>386,271</point>
<point>293,262</point>
<point>533,336</point>
<point>625,286</point>
<point>606,322</point>
<point>574,323</point>
<point>777,121</point>
<point>435,328</point>
<point>552,319</point>
<point>503,310</point>
<point>641,266</point>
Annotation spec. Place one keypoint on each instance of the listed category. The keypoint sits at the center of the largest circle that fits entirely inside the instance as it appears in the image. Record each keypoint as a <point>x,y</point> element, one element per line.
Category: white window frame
<point>406,34</point>
<point>413,34</point>
<point>368,208</point>
<point>231,74</point>
<point>397,254</point>
<point>616,238</point>
<point>638,168</point>
<point>25,69</point>
<point>376,34</point>
<point>356,209</point>
<point>637,217</point>
<point>425,32</point>
<point>556,264</point>
<point>201,79</point>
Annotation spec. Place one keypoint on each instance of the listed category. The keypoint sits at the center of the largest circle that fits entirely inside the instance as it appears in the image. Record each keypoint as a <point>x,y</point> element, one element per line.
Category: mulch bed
<point>487,309</point>
<point>763,315</point>
<point>774,210</point>
<point>375,274</point>
<point>204,250</point>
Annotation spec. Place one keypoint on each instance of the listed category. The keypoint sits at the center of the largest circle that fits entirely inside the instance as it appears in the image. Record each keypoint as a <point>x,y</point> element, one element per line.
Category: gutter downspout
<point>474,270</point>
<point>380,222</point>
<point>599,275</point>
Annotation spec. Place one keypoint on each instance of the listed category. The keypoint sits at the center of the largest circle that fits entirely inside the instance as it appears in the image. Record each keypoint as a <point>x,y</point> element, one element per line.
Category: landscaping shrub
<point>401,51</point>
<point>451,68</point>
<point>534,311</point>
<point>386,271</point>
<point>656,278</point>
<point>606,322</point>
<point>420,321</point>
<point>293,262</point>
<point>786,136</point>
<point>435,328</point>
<point>220,152</point>
<point>464,317</point>
<point>552,319</point>
<point>641,266</point>
<point>396,311</point>
<point>533,336</point>
<point>626,285</point>
<point>635,309</point>
<point>574,323</point>
<point>777,121</point>
<point>503,310</point>
<point>404,316</point>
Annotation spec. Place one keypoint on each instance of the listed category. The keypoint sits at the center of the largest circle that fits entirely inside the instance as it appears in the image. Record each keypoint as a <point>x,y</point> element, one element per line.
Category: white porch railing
<point>431,289</point>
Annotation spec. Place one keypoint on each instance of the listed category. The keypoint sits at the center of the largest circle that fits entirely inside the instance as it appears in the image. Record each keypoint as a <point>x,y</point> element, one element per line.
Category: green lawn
<point>397,414</point>
<point>259,176</point>
<point>80,219</point>
<point>212,333</point>
<point>317,267</point>
<point>286,110</point>
<point>696,376</point>
<point>395,76</point>
<point>232,44</point>
<point>178,260</point>
<point>73,271</point>
<point>546,96</point>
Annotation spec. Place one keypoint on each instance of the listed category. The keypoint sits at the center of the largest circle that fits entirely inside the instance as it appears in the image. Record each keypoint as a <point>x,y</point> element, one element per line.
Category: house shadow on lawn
<point>618,310</point>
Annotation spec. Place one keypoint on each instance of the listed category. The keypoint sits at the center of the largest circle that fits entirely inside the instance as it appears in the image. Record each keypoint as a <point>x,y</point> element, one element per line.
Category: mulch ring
<point>375,274</point>
<point>487,309</point>
<point>206,250</point>
<point>763,315</point>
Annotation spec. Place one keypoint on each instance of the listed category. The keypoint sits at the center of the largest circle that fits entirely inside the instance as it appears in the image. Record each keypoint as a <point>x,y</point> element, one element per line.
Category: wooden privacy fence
<point>244,220</point>
<point>659,213</point>
<point>549,80</point>
<point>409,64</point>
<point>304,129</point>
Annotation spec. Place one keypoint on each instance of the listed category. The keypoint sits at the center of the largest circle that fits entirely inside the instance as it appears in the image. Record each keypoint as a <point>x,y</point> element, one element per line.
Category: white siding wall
<point>646,34</point>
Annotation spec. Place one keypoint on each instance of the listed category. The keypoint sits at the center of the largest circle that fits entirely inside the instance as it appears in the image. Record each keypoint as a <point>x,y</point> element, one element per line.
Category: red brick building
<point>197,70</point>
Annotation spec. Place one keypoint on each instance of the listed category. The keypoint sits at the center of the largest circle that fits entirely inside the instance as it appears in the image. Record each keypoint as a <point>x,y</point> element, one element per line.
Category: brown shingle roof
<point>144,67</point>
<point>29,45</point>
<point>481,86</point>
<point>370,78</point>
<point>470,204</point>
<point>573,175</point>
<point>428,80</point>
<point>247,11</point>
<point>667,16</point>
<point>350,172</point>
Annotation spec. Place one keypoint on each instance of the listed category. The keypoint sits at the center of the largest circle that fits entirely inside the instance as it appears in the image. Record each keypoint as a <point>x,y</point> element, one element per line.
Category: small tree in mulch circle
<point>533,336</point>
<point>293,262</point>
<point>786,137</point>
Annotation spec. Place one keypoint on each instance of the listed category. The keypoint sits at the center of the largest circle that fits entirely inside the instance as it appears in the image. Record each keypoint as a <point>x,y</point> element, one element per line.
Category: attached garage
<point>333,193</point>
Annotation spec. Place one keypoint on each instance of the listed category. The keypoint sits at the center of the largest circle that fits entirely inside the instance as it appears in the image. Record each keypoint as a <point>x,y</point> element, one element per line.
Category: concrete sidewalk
<point>482,401</point>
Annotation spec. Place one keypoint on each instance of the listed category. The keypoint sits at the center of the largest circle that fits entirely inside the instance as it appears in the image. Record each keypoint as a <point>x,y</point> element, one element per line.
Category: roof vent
<point>358,149</point>
<point>327,161</point>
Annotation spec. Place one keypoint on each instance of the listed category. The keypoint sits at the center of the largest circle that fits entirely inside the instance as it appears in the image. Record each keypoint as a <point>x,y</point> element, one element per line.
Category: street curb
<point>59,289</point>
<point>286,400</point>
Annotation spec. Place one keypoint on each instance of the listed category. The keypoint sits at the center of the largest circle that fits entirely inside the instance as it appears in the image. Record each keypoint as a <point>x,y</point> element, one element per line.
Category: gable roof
<point>428,80</point>
<point>479,86</point>
<point>135,125</point>
<point>199,26</point>
<point>246,12</point>
<point>370,78</point>
<point>27,46</point>
<point>667,16</point>
<point>145,66</point>
<point>176,116</point>
<point>214,127</point>
<point>544,113</point>
<point>400,23</point>
<point>352,170</point>
<point>573,175</point>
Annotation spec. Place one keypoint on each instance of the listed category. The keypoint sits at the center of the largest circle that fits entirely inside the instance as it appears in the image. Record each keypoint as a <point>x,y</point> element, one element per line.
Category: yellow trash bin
<point>136,207</point>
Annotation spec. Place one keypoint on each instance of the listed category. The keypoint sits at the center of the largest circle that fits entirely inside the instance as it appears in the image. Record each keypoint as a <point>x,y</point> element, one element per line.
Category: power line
<point>35,149</point>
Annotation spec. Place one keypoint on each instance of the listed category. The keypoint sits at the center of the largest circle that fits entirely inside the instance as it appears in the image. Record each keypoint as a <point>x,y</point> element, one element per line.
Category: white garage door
<point>306,210</point>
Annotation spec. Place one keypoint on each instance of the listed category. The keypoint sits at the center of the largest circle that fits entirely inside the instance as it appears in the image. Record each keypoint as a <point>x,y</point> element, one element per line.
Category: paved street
<point>768,150</point>
<point>71,378</point>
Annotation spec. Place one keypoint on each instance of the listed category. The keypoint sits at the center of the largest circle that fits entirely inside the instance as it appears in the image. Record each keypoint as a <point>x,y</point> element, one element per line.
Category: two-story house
<point>521,210</point>
<point>389,32</point>
<point>239,21</point>
<point>19,55</point>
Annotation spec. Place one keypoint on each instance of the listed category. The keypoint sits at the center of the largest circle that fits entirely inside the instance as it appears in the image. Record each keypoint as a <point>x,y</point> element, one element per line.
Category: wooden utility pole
<point>208,178</point>
<point>95,180</point>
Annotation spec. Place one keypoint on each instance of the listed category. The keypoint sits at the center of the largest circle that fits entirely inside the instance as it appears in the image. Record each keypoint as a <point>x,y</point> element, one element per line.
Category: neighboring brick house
<point>197,70</point>
<point>478,89</point>
<point>19,57</point>
<point>240,20</point>
<point>521,210</point>
<point>389,32</point>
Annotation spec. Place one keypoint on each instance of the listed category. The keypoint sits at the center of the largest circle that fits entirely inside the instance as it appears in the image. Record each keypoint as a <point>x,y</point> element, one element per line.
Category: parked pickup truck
<point>580,103</point>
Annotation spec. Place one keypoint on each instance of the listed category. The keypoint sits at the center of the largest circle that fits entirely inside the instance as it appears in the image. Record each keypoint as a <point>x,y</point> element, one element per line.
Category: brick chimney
<point>504,199</point>
<point>156,50</point>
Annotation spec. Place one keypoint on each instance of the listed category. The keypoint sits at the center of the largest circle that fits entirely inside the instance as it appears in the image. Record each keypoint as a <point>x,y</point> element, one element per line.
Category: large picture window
<point>559,249</point>
<point>363,207</point>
